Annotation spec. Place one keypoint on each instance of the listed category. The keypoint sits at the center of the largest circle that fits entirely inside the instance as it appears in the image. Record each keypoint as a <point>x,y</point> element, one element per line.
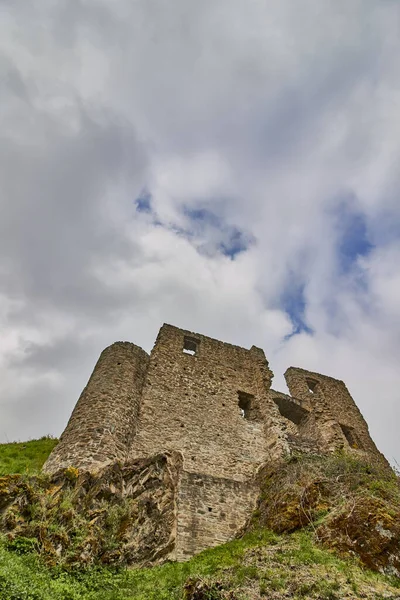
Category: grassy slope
<point>352,505</point>
<point>262,564</point>
<point>25,457</point>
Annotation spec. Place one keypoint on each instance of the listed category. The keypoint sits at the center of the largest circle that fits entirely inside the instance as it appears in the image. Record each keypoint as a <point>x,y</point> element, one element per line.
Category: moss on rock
<point>123,514</point>
<point>351,506</point>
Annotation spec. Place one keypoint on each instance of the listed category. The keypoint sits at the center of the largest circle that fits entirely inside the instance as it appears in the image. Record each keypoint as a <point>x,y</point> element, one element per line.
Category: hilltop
<point>186,429</point>
<point>25,457</point>
<point>287,551</point>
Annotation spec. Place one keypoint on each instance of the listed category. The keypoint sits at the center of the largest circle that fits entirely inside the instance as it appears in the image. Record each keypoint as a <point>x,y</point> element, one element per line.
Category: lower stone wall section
<point>211,510</point>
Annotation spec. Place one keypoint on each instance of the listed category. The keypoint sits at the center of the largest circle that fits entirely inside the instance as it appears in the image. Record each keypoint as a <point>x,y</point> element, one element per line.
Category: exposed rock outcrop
<point>121,514</point>
<point>351,505</point>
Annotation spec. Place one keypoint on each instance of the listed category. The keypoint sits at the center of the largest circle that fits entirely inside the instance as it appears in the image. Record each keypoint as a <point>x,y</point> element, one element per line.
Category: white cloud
<point>268,116</point>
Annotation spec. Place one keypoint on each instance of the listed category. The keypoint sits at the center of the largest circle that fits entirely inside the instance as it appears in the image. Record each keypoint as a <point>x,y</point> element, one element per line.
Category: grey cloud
<point>58,355</point>
<point>33,413</point>
<point>98,100</point>
<point>54,216</point>
<point>15,84</point>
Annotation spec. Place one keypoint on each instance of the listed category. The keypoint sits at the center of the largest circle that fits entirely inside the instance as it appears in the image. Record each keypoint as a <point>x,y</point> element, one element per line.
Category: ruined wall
<point>209,400</point>
<point>211,403</point>
<point>103,422</point>
<point>210,511</point>
<point>298,423</point>
<point>190,403</point>
<point>273,422</point>
<point>338,421</point>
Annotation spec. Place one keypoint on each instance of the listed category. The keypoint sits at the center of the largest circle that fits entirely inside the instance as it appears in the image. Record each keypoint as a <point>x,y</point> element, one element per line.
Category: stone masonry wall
<point>211,510</point>
<point>212,403</point>
<point>103,422</point>
<point>213,407</point>
<point>298,423</point>
<point>274,424</point>
<point>338,421</point>
<point>190,403</point>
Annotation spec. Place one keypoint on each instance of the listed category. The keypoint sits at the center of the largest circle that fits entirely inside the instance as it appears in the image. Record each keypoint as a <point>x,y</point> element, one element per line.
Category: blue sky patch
<point>236,243</point>
<point>294,304</point>
<point>143,202</point>
<point>227,239</point>
<point>203,216</point>
<point>352,236</point>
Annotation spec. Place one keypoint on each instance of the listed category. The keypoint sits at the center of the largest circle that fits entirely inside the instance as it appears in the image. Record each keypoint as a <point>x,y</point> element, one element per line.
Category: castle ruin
<point>211,403</point>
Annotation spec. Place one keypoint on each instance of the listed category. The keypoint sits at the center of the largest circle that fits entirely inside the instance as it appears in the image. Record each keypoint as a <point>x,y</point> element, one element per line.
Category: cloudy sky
<point>227,166</point>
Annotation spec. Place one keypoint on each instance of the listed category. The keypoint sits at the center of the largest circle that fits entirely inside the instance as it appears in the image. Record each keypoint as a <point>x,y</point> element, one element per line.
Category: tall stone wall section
<point>104,419</point>
<point>213,407</point>
<point>337,421</point>
<point>211,403</point>
<point>190,403</point>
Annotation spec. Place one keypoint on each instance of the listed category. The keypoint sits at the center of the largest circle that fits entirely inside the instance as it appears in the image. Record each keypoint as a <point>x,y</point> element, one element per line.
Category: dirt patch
<point>198,589</point>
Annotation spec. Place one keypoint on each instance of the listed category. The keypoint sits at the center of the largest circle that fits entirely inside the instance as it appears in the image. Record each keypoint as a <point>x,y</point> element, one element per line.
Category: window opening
<point>190,345</point>
<point>350,436</point>
<point>291,410</point>
<point>312,385</point>
<point>246,404</point>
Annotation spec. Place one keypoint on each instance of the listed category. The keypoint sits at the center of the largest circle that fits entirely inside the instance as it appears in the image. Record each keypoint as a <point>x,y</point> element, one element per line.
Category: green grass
<point>260,561</point>
<point>23,576</point>
<point>261,564</point>
<point>25,457</point>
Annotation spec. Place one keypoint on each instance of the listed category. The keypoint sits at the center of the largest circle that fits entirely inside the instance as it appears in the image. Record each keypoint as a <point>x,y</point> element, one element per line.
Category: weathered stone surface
<point>212,402</point>
<point>210,511</point>
<point>104,419</point>
<point>121,514</point>
<point>337,421</point>
<point>352,505</point>
<point>192,403</point>
<point>370,529</point>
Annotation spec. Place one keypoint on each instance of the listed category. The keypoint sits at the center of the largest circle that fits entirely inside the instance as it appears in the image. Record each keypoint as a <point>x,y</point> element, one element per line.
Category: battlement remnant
<point>211,402</point>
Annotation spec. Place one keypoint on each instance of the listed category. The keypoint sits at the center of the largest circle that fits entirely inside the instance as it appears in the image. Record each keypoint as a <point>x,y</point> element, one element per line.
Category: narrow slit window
<point>246,404</point>
<point>190,346</point>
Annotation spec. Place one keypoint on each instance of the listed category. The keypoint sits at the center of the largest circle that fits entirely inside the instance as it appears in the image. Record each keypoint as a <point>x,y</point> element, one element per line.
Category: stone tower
<point>103,422</point>
<point>211,402</point>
